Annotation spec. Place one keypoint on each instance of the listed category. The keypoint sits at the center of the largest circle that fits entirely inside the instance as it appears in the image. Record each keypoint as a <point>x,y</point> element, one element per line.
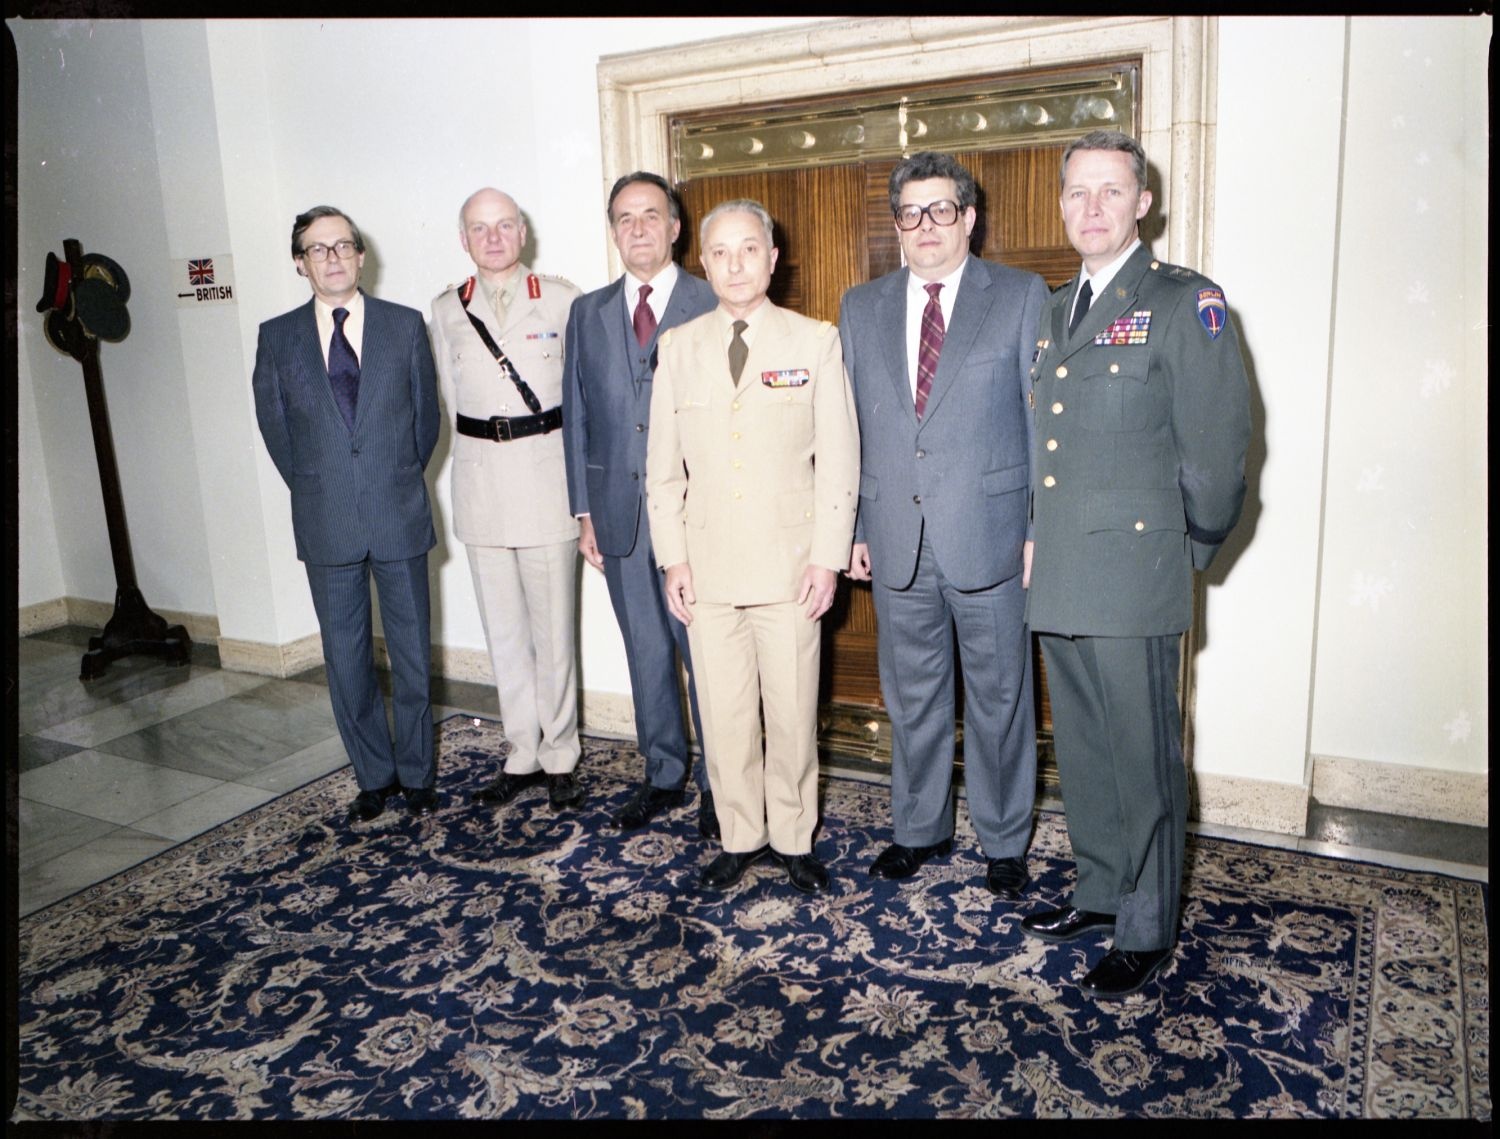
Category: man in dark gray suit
<point>938,354</point>
<point>1143,419</point>
<point>610,358</point>
<point>346,397</point>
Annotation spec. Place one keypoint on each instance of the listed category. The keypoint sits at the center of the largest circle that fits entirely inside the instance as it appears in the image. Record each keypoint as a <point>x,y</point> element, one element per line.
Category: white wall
<point>171,139</point>
<point>1275,223</point>
<point>87,169</point>
<point>1402,616</point>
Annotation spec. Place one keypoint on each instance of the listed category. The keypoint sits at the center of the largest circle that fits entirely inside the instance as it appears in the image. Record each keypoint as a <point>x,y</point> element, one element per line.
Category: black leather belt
<point>502,428</point>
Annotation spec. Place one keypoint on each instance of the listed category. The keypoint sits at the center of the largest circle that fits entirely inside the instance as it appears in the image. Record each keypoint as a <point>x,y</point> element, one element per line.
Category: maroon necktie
<point>644,320</point>
<point>931,344</point>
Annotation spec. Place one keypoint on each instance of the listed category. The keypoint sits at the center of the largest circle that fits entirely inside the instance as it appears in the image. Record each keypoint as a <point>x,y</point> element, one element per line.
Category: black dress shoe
<point>1066,924</point>
<point>368,805</point>
<point>804,871</point>
<point>422,800</point>
<point>897,861</point>
<point>564,790</point>
<point>646,804</point>
<point>505,787</point>
<point>1006,877</point>
<point>727,869</point>
<point>1124,971</point>
<point>708,818</point>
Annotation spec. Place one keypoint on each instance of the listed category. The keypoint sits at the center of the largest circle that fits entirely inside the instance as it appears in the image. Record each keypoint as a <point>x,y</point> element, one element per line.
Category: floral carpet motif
<point>513,962</point>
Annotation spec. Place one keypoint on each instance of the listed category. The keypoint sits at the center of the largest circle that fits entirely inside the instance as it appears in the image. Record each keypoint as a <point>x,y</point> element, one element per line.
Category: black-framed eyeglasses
<point>941,213</point>
<point>343,250</point>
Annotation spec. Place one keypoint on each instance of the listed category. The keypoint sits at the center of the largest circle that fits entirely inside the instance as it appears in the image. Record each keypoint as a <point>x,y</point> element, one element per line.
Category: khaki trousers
<point>527,601</point>
<point>745,658</point>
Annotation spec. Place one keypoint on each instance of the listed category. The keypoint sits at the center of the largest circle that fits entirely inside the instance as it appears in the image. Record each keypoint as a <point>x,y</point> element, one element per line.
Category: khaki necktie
<point>739,351</point>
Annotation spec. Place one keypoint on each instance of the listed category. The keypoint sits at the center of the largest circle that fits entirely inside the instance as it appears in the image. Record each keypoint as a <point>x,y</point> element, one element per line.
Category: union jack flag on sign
<point>201,272</point>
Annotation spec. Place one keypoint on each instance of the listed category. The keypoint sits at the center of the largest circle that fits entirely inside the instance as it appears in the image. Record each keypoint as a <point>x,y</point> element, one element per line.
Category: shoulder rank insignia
<point>786,378</point>
<point>1212,311</point>
<point>533,287</point>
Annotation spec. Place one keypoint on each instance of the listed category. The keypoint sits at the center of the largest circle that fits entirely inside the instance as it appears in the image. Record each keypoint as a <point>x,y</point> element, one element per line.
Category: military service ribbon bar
<point>1132,329</point>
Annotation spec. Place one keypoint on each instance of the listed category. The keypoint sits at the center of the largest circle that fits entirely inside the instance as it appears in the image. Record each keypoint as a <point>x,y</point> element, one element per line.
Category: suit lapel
<point>614,328</point>
<point>890,323</point>
<point>373,349</point>
<point>311,361</point>
<point>970,311</point>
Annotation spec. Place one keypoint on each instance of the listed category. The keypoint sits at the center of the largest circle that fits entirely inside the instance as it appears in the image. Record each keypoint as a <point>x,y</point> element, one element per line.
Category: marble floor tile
<point>34,751</point>
<point>44,832</point>
<point>299,768</point>
<point>51,693</point>
<point>181,821</point>
<point>85,865</point>
<point>110,787</point>
<point>201,690</point>
<point>236,736</point>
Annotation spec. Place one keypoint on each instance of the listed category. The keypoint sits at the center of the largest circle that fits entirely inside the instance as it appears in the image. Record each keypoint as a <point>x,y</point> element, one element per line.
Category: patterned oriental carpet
<point>516,963</point>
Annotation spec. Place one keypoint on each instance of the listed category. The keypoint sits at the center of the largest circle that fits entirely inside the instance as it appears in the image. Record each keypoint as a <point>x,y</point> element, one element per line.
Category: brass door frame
<point>641,92</point>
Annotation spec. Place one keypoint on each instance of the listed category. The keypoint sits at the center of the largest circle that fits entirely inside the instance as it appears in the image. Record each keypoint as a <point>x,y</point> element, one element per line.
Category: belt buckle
<point>500,427</point>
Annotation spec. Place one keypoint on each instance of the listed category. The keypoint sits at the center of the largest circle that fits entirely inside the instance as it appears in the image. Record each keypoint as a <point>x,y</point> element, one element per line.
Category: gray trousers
<point>915,643</point>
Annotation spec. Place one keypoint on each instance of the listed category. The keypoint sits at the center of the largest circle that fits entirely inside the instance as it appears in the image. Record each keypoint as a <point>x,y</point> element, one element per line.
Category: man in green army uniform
<point>1142,420</point>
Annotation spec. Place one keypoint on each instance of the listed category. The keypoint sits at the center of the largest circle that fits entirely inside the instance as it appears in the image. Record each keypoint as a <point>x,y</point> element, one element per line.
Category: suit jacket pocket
<point>1135,511</point>
<point>1007,479</point>
<point>795,508</point>
<point>869,486</point>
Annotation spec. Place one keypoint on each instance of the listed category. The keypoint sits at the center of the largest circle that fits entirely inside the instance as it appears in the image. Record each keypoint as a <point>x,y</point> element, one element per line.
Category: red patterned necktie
<point>644,320</point>
<point>931,345</point>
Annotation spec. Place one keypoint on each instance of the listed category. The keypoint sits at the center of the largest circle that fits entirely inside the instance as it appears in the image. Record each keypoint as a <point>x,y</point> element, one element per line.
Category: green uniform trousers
<point>1118,737</point>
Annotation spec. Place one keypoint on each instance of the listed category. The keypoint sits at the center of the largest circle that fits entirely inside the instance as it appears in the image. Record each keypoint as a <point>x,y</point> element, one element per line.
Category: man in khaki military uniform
<point>752,468</point>
<point>498,345</point>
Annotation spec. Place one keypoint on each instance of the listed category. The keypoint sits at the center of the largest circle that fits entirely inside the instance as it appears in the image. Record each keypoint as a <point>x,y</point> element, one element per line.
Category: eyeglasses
<point>941,213</point>
<point>343,250</point>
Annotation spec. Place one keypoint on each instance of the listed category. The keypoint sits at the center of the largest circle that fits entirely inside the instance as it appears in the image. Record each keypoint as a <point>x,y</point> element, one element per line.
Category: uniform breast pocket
<point>796,416</point>
<point>1119,395</point>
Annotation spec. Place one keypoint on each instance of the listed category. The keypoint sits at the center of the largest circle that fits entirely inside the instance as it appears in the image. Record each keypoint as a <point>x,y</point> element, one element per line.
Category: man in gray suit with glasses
<point>938,354</point>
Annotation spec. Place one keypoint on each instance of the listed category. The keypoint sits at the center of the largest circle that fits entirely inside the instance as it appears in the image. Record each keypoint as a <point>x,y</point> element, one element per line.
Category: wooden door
<point>834,230</point>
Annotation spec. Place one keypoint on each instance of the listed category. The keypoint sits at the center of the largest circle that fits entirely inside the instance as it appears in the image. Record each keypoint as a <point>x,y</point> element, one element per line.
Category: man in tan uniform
<point>752,468</point>
<point>498,344</point>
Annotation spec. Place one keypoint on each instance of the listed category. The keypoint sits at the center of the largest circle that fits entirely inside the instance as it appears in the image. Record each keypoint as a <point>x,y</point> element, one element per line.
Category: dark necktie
<point>644,320</point>
<point>343,368</point>
<point>739,351</point>
<point>1081,307</point>
<point>930,346</point>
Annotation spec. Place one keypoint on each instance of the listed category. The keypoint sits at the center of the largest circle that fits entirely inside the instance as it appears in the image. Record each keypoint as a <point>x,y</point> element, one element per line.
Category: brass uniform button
<point>1062,371</point>
<point>1051,444</point>
<point>1057,408</point>
<point>1049,481</point>
<point>1140,525</point>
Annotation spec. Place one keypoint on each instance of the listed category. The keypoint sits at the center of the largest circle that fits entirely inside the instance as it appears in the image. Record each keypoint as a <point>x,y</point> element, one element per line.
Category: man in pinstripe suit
<point>346,397</point>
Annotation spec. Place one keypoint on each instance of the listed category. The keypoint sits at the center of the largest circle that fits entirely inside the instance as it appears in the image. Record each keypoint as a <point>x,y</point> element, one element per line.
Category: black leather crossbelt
<point>502,428</point>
